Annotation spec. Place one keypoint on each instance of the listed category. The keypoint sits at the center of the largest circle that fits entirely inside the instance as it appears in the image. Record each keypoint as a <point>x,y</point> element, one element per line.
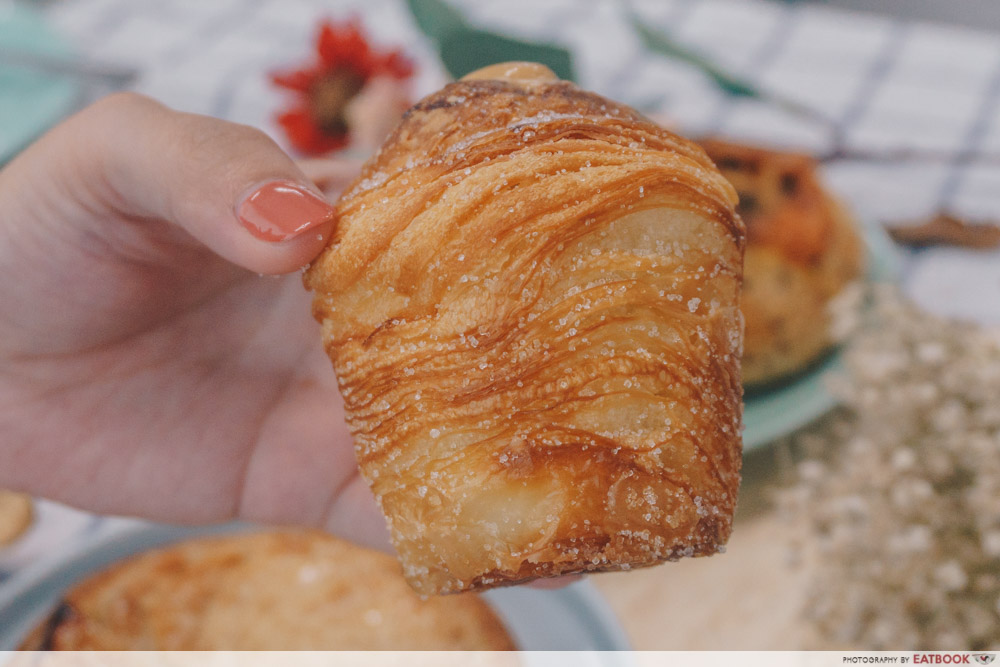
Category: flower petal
<point>305,136</point>
<point>300,80</point>
<point>396,64</point>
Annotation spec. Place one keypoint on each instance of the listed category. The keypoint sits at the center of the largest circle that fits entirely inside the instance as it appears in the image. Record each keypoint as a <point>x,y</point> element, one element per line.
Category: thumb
<point>230,186</point>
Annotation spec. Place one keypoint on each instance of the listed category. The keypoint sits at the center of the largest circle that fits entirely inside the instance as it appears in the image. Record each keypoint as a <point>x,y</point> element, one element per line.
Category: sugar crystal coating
<point>551,317</point>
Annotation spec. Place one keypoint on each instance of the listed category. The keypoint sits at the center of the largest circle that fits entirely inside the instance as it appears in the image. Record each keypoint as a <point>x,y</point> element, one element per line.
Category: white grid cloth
<point>886,85</point>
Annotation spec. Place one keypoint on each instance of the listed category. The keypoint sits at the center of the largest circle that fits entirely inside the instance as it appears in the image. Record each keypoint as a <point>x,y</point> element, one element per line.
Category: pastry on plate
<point>531,301</point>
<point>803,249</point>
<point>16,513</point>
<point>263,591</point>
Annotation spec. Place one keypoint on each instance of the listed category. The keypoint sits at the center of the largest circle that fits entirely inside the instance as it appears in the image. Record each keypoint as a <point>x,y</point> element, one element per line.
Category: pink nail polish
<point>282,210</point>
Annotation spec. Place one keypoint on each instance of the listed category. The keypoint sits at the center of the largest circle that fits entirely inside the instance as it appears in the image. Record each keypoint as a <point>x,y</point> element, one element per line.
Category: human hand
<point>146,366</point>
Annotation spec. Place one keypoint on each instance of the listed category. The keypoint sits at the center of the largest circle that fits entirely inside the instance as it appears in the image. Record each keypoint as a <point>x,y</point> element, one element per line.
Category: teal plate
<point>769,415</point>
<point>30,102</point>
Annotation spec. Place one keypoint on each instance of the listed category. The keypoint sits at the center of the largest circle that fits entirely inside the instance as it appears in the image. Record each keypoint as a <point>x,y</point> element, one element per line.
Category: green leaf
<point>464,51</point>
<point>464,48</point>
<point>436,18</point>
<point>660,43</point>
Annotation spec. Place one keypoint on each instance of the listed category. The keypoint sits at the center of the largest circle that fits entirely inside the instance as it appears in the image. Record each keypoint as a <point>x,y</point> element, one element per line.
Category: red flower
<point>345,62</point>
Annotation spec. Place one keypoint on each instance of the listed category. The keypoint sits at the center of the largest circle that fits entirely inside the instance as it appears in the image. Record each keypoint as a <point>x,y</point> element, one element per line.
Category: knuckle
<point>123,102</point>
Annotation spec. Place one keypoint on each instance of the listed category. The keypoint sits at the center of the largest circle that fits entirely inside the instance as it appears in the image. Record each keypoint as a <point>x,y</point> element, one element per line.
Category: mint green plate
<point>768,416</point>
<point>30,102</point>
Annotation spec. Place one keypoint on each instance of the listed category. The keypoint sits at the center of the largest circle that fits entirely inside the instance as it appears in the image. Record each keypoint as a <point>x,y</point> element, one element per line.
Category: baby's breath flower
<point>904,515</point>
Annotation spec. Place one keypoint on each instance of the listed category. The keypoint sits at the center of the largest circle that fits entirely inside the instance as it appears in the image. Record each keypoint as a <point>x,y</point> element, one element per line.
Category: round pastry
<point>531,304</point>
<point>16,512</point>
<point>787,323</point>
<point>802,250</point>
<point>263,591</point>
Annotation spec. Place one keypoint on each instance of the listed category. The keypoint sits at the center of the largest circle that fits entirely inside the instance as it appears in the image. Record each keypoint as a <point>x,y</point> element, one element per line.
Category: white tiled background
<point>885,84</point>
<point>972,13</point>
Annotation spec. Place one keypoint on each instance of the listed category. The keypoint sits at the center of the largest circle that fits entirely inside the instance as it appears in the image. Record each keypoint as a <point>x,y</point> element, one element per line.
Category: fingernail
<point>282,210</point>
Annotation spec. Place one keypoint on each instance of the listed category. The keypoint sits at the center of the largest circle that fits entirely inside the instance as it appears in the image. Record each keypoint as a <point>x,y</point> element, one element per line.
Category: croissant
<point>531,302</point>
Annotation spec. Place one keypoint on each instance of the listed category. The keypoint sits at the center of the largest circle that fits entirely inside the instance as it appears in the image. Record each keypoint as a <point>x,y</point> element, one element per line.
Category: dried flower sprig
<point>946,229</point>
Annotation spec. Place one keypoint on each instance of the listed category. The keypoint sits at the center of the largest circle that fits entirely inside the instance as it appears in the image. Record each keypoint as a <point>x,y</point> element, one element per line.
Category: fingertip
<point>229,186</point>
<point>276,258</point>
<point>287,225</point>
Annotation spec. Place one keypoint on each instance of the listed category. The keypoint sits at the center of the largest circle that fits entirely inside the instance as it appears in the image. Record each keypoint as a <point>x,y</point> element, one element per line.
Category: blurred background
<point>869,516</point>
<point>982,14</point>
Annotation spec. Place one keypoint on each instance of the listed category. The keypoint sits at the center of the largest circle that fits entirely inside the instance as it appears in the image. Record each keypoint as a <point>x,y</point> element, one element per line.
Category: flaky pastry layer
<point>531,303</point>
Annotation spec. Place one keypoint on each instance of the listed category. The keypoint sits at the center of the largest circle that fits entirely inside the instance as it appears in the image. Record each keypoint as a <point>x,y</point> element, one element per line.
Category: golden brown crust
<point>531,302</point>
<point>802,250</point>
<point>16,514</point>
<point>266,591</point>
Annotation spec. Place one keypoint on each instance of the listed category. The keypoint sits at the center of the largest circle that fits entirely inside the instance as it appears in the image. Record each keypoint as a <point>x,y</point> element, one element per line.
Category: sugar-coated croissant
<point>532,305</point>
